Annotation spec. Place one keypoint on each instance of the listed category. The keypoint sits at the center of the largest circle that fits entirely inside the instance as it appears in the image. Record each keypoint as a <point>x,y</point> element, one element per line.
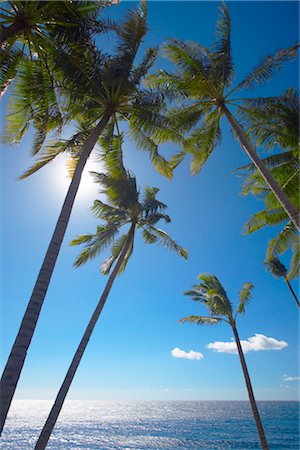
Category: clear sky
<point>129,355</point>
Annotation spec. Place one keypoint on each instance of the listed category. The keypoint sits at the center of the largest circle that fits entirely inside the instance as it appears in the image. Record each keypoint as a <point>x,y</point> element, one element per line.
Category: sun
<point>88,189</point>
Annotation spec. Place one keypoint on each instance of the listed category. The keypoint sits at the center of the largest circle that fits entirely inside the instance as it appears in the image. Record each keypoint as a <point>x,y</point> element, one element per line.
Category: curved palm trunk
<point>12,30</point>
<point>271,182</point>
<point>292,291</point>
<point>18,353</point>
<point>59,401</point>
<point>256,415</point>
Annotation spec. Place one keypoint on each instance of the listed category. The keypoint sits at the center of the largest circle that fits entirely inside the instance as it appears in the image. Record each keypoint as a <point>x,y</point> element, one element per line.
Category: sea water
<point>87,425</point>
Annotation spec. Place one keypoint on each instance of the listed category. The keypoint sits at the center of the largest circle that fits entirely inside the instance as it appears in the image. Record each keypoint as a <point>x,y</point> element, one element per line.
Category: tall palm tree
<point>101,90</point>
<point>203,86</point>
<point>125,207</point>
<point>33,29</point>
<point>280,271</point>
<point>211,293</point>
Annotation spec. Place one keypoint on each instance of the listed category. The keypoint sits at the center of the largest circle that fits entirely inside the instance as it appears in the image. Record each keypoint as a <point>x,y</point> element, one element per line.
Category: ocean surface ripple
<point>90,425</point>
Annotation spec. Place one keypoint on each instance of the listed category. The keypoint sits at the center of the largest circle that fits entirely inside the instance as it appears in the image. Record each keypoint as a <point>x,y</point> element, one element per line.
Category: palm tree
<point>101,90</point>
<point>33,29</point>
<point>271,123</point>
<point>280,271</point>
<point>124,207</point>
<point>203,86</point>
<point>211,293</point>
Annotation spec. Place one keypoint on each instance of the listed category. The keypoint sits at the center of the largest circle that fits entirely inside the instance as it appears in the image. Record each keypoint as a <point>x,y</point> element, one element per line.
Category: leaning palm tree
<point>125,207</point>
<point>100,92</point>
<point>203,86</point>
<point>279,270</point>
<point>271,123</point>
<point>211,293</point>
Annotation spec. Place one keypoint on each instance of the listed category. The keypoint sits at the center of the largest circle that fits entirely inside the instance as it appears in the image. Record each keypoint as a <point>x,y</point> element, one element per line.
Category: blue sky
<point>129,355</point>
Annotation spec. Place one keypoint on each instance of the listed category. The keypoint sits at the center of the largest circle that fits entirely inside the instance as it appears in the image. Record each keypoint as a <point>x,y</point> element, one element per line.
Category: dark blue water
<point>154,425</point>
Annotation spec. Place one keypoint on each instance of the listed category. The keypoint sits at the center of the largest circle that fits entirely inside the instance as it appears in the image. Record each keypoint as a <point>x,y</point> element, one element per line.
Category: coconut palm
<point>100,91</point>
<point>33,29</point>
<point>279,270</point>
<point>211,293</point>
<point>271,123</point>
<point>203,86</point>
<point>125,207</point>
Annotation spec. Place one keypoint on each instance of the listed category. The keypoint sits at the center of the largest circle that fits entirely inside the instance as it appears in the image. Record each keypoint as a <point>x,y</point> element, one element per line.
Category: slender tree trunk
<point>18,353</point>
<point>265,173</point>
<point>292,291</point>
<point>63,391</point>
<point>11,31</point>
<point>256,415</point>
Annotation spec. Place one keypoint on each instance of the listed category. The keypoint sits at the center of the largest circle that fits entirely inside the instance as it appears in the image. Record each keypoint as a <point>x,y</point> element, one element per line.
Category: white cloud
<point>254,343</point>
<point>177,353</point>
<point>288,378</point>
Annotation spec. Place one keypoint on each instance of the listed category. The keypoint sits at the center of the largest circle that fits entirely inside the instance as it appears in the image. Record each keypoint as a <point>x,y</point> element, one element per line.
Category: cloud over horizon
<point>178,353</point>
<point>255,343</point>
<point>289,378</point>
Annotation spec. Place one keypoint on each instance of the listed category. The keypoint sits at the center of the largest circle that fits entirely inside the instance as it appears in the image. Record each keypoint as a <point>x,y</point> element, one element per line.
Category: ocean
<point>90,425</point>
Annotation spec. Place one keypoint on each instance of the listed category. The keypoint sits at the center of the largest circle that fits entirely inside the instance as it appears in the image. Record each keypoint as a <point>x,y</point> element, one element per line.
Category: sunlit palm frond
<point>263,218</point>
<point>216,297</point>
<point>144,142</point>
<point>201,320</point>
<point>244,297</point>
<point>287,238</point>
<point>166,241</point>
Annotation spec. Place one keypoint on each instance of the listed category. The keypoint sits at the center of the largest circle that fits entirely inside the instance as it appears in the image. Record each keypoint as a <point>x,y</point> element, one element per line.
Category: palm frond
<point>144,142</point>
<point>244,297</point>
<point>268,66</point>
<point>104,236</point>
<point>108,212</point>
<point>203,141</point>
<point>47,156</point>
<point>201,320</point>
<point>287,238</point>
<point>263,218</point>
<point>294,268</point>
<point>166,241</point>
<point>222,59</point>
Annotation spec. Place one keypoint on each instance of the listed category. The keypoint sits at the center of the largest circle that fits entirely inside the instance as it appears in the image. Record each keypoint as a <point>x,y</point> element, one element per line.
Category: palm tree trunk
<point>63,391</point>
<point>11,31</point>
<point>18,353</point>
<point>265,173</point>
<point>292,291</point>
<point>256,415</point>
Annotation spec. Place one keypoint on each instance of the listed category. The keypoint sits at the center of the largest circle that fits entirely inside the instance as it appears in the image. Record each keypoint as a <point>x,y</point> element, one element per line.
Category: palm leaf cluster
<point>82,93</point>
<point>213,296</point>
<point>30,30</point>
<point>124,206</point>
<point>273,123</point>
